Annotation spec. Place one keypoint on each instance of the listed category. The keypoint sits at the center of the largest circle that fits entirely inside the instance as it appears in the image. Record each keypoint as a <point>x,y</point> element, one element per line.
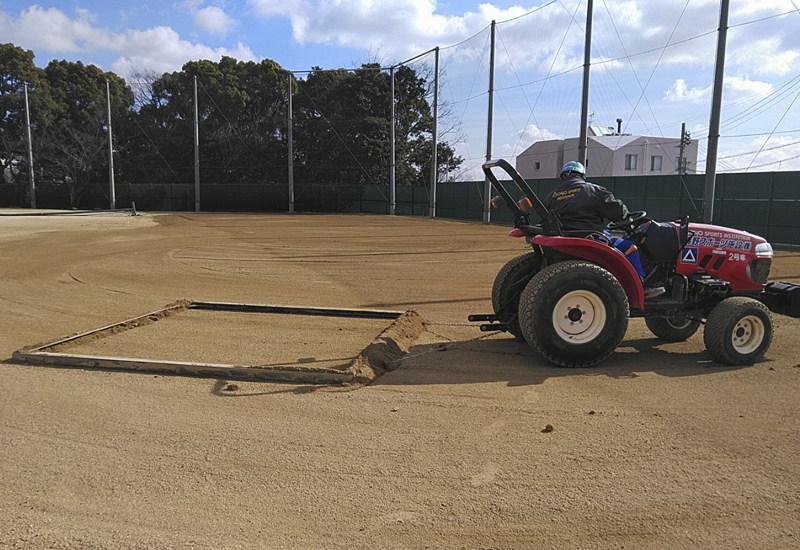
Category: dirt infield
<point>658,447</point>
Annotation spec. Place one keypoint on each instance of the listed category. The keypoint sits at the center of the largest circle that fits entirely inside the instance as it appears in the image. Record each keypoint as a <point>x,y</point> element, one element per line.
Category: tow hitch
<point>495,324</point>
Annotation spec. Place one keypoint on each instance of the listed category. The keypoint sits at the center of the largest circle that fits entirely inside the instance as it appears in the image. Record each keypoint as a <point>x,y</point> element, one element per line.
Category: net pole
<point>196,151</point>
<point>393,160</point>
<point>716,104</point>
<point>111,191</point>
<point>290,144</point>
<point>487,186</point>
<point>587,62</point>
<point>30,150</point>
<point>434,153</point>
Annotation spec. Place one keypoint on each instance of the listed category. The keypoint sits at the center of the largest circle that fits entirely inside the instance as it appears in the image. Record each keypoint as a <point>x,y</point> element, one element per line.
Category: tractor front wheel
<point>672,329</point>
<point>574,313</point>
<point>738,331</point>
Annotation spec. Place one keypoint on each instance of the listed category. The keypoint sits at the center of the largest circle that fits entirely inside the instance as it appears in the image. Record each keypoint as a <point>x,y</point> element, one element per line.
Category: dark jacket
<point>583,206</point>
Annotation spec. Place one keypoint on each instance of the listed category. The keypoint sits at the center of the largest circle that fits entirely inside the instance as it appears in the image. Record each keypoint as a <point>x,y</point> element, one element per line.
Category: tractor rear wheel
<point>672,329</point>
<point>738,331</point>
<point>574,313</point>
<point>508,285</point>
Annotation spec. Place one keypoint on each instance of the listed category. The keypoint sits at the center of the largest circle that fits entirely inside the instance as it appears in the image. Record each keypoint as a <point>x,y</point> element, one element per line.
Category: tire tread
<point>535,289</point>
<point>716,337</point>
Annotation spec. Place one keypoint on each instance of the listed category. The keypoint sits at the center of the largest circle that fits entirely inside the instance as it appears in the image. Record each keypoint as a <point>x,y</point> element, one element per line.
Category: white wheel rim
<point>748,334</point>
<point>579,316</point>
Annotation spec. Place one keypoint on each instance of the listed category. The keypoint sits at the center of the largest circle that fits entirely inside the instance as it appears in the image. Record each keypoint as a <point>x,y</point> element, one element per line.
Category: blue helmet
<point>573,166</point>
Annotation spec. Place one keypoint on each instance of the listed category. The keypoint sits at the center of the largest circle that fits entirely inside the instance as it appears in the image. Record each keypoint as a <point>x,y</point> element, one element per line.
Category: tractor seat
<point>661,244</point>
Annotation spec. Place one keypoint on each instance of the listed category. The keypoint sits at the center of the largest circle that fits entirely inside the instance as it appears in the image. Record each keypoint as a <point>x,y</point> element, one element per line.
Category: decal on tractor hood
<point>721,239</point>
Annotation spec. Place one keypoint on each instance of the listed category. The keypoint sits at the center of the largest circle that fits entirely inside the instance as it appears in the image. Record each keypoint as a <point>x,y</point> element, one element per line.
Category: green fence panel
<point>784,213</point>
<point>746,186</point>
<point>404,193</point>
<point>786,185</point>
<point>629,188</point>
<point>782,235</point>
<point>747,215</point>
<point>764,203</point>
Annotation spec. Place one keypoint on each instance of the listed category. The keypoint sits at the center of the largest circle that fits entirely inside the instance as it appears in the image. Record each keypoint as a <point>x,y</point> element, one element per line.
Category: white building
<point>608,153</point>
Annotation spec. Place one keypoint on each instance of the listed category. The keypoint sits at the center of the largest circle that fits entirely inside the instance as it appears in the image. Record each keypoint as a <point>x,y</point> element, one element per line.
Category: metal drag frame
<point>47,354</point>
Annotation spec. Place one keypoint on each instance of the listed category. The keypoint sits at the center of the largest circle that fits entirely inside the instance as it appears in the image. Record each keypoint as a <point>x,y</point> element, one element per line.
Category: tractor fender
<point>603,255</point>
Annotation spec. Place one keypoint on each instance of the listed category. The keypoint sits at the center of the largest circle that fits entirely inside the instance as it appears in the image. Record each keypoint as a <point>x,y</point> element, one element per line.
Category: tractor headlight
<point>764,250</point>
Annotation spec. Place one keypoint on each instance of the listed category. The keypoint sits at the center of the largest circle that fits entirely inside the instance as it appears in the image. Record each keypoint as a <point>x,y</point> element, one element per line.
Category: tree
<point>241,111</point>
<point>75,150</point>
<point>343,127</point>
<point>17,69</point>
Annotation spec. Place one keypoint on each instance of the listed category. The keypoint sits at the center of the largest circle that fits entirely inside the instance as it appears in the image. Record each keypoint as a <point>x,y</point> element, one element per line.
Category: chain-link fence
<point>410,137</point>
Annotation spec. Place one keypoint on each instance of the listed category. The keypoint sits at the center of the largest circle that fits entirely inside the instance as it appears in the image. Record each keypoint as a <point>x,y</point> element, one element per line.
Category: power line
<point>761,150</point>
<point>773,129</point>
<point>547,77</point>
<point>774,16</point>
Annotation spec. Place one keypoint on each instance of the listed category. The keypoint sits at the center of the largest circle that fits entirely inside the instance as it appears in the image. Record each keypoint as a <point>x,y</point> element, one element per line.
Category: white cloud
<point>679,91</point>
<point>162,50</point>
<point>735,89</point>
<point>214,21</point>
<point>634,32</point>
<point>766,56</point>
<point>50,29</point>
<point>158,48</point>
<point>192,5</point>
<point>761,155</point>
<point>533,133</point>
<point>402,26</point>
<point>754,7</point>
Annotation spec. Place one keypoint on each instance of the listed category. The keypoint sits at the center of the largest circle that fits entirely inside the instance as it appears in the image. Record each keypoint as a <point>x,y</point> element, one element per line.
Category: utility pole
<point>111,192</point>
<point>487,186</point>
<point>685,140</point>
<point>30,149</point>
<point>716,105</point>
<point>587,59</point>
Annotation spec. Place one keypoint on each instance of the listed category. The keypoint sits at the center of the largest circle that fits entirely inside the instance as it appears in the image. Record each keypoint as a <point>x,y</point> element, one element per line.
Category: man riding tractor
<point>581,205</point>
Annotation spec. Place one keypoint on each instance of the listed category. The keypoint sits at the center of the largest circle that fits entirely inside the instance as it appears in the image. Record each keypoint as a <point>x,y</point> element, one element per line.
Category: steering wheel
<point>633,220</point>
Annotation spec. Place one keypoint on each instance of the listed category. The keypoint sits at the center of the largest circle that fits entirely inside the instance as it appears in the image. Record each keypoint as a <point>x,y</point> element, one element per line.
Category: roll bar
<point>550,223</point>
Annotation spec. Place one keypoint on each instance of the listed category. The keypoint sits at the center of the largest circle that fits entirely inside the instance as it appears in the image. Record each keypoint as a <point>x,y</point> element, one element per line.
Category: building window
<point>630,162</point>
<point>537,165</point>
<point>655,163</point>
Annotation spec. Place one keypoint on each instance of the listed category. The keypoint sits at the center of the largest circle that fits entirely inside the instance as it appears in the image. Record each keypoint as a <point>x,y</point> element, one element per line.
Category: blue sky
<point>652,60</point>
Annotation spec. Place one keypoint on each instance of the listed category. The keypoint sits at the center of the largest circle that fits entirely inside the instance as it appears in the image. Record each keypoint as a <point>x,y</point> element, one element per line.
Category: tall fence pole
<point>716,105</point>
<point>290,140</point>
<point>587,61</point>
<point>111,192</point>
<point>393,161</point>
<point>487,186</point>
<point>196,151</point>
<point>31,183</point>
<point>434,154</point>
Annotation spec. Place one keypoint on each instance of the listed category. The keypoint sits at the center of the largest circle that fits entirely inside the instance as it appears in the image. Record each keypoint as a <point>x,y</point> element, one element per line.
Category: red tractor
<point>571,296</point>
